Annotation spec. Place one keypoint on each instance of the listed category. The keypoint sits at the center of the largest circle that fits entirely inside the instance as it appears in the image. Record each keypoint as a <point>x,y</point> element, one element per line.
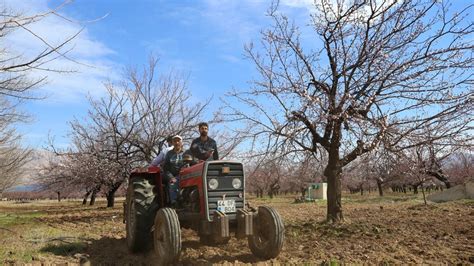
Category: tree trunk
<point>333,174</point>
<point>273,191</point>
<point>379,185</point>
<point>415,189</point>
<point>59,195</point>
<point>423,192</point>
<point>94,194</point>
<point>110,199</point>
<point>84,201</point>
<point>111,195</point>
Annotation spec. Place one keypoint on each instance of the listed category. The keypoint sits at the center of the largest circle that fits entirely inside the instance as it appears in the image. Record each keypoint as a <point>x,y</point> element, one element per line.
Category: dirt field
<point>393,229</point>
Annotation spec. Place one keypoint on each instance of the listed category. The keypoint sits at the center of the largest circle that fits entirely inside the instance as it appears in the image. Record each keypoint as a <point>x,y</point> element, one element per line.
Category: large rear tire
<point>167,236</point>
<point>140,210</point>
<point>269,233</point>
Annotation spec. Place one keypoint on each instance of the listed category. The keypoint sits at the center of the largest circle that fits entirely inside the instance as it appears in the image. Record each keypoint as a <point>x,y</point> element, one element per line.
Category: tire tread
<point>145,207</point>
<point>174,235</point>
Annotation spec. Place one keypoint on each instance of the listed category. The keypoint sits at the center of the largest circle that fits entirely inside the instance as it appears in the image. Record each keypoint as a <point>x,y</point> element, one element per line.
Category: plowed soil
<point>393,229</point>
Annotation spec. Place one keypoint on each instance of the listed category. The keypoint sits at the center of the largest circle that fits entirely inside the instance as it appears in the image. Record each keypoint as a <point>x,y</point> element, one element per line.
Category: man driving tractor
<point>172,165</point>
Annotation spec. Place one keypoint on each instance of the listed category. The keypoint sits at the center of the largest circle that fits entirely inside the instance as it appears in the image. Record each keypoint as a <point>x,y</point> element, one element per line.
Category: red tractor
<point>211,201</point>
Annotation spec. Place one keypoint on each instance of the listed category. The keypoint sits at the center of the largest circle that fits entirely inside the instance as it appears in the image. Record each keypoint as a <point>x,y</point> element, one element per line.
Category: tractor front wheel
<point>167,236</point>
<point>269,233</point>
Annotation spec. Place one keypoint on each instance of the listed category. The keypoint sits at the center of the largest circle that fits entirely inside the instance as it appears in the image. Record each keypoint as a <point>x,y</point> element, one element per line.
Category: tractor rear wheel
<point>269,234</point>
<point>167,236</point>
<point>140,208</point>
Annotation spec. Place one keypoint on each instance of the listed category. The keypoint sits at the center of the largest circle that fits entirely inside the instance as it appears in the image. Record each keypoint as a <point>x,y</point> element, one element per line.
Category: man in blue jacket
<point>172,165</point>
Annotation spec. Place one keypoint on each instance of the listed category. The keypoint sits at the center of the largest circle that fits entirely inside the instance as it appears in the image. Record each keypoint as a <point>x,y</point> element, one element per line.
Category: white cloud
<point>88,58</point>
<point>240,22</point>
<point>298,3</point>
<point>236,20</point>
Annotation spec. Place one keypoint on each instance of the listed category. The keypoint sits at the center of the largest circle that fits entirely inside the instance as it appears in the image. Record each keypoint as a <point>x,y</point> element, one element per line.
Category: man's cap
<point>177,137</point>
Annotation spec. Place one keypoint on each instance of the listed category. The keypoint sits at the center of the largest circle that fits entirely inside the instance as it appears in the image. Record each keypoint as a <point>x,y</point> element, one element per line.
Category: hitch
<point>218,228</point>
<point>244,223</point>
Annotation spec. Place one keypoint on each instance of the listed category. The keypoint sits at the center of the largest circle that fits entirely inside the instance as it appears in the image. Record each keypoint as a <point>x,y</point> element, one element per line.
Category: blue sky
<point>203,39</point>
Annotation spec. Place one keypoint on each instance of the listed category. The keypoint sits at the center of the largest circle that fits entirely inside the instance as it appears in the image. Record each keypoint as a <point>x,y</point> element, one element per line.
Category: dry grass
<point>392,229</point>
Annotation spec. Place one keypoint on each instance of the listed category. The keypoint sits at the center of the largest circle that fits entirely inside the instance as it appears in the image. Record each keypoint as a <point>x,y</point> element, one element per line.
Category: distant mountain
<point>21,188</point>
<point>39,158</point>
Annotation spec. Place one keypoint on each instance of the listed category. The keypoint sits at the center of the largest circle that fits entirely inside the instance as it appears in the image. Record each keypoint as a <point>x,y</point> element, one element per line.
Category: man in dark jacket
<point>204,148</point>
<point>172,165</point>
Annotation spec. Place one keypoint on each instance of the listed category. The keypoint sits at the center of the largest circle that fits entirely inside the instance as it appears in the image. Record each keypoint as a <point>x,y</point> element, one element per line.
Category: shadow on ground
<point>65,249</point>
<point>196,253</point>
<point>114,251</point>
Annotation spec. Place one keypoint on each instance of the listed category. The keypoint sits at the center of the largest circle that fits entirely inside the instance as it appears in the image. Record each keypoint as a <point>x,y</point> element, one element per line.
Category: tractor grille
<point>214,170</point>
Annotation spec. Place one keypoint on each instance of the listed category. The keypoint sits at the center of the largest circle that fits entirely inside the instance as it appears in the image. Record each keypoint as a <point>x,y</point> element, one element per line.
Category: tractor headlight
<point>213,183</point>
<point>236,183</point>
